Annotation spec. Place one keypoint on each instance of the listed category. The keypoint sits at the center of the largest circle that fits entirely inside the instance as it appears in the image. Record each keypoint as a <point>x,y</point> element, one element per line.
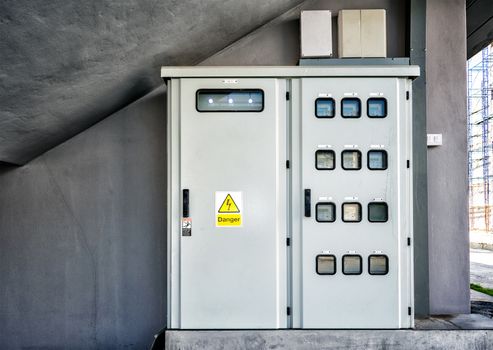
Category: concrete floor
<point>449,322</point>
<point>482,267</point>
<point>438,339</point>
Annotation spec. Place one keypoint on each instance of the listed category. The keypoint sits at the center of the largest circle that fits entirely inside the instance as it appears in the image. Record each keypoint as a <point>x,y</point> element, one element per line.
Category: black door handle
<point>308,203</point>
<point>186,203</point>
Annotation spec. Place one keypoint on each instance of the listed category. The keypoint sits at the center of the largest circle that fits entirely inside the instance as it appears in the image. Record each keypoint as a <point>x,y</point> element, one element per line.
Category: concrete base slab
<point>329,339</point>
<point>467,331</point>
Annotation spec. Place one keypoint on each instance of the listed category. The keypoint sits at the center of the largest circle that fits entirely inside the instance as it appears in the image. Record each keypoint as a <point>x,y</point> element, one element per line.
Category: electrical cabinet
<point>289,197</point>
<point>316,33</point>
<point>362,33</point>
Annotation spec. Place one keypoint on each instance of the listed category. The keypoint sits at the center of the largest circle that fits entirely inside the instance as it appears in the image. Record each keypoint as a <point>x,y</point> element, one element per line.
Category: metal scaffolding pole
<point>479,143</point>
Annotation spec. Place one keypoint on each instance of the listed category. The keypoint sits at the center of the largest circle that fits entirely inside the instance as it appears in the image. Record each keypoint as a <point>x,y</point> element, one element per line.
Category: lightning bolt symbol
<point>228,204</point>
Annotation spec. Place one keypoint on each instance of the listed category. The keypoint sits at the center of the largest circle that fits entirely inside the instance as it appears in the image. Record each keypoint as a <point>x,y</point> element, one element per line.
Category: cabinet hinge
<point>288,241</point>
<point>409,311</point>
<point>407,95</point>
<point>409,241</point>
<point>288,164</point>
<point>408,163</point>
<point>288,311</point>
<point>287,95</point>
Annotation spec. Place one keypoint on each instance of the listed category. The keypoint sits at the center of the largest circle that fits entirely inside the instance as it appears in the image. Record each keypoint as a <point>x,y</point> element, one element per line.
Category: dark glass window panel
<point>351,107</point>
<point>325,108</point>
<point>326,212</point>
<point>325,159</point>
<point>378,212</point>
<point>378,265</point>
<point>352,265</point>
<point>351,212</point>
<point>326,264</point>
<point>377,107</point>
<point>377,160</point>
<point>230,100</point>
<point>351,160</point>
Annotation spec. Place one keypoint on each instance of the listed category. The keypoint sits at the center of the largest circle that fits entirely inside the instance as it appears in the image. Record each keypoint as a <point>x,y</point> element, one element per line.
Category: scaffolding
<point>480,145</point>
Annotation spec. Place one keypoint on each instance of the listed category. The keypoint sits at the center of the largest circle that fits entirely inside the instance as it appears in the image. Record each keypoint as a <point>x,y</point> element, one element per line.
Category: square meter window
<point>351,160</point>
<point>378,265</point>
<point>377,160</point>
<point>351,212</point>
<point>325,159</point>
<point>326,212</point>
<point>378,212</point>
<point>326,264</point>
<point>352,264</point>
<point>325,108</point>
<point>376,107</point>
<point>351,107</point>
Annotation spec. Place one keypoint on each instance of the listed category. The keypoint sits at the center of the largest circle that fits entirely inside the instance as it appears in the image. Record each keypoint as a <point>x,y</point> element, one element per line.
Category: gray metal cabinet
<point>289,197</point>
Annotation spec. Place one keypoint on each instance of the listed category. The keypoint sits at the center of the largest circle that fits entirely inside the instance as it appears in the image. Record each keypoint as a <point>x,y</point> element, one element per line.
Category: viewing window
<point>351,160</point>
<point>351,212</point>
<point>326,212</point>
<point>230,100</point>
<point>377,160</point>
<point>326,264</point>
<point>378,265</point>
<point>378,212</point>
<point>325,108</point>
<point>376,107</point>
<point>351,107</point>
<point>352,265</point>
<point>325,160</point>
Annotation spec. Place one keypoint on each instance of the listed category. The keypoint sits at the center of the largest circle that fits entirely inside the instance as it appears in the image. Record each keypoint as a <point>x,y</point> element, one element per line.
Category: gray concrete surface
<point>417,55</point>
<point>478,296</point>
<point>481,240</point>
<point>67,64</point>
<point>277,42</point>
<point>479,25</point>
<point>82,238</point>
<point>482,267</point>
<point>331,339</point>
<point>447,322</point>
<point>447,164</point>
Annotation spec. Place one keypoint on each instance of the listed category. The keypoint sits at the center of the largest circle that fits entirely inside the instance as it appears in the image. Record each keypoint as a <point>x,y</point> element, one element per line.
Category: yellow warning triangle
<point>229,205</point>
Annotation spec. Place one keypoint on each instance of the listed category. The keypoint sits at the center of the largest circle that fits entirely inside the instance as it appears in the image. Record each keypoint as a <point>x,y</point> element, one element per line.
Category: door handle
<point>186,203</point>
<point>308,203</point>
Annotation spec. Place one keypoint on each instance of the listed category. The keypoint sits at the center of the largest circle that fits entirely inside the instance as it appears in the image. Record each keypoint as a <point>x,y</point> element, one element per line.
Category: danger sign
<point>229,209</point>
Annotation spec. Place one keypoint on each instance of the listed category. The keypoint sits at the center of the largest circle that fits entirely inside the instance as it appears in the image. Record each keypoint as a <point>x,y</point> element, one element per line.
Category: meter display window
<point>325,160</point>
<point>376,107</point>
<point>351,160</point>
<point>325,108</point>
<point>326,212</point>
<point>377,160</point>
<point>351,212</point>
<point>351,107</point>
<point>378,212</point>
<point>352,265</point>
<point>378,265</point>
<point>230,100</point>
<point>326,264</point>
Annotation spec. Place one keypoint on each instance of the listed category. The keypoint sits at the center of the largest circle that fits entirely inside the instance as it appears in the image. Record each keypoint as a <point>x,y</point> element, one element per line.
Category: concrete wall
<point>479,25</point>
<point>278,42</point>
<point>82,238</point>
<point>447,164</point>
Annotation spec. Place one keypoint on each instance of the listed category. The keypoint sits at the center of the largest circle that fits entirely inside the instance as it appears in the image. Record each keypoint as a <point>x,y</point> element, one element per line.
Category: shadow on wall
<point>83,237</point>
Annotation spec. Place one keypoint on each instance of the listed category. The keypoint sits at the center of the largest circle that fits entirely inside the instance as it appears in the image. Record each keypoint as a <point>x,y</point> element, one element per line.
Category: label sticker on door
<point>229,209</point>
<point>186,227</point>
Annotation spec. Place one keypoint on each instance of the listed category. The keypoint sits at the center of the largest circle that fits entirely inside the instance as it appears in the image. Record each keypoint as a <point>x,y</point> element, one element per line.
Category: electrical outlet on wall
<point>434,140</point>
